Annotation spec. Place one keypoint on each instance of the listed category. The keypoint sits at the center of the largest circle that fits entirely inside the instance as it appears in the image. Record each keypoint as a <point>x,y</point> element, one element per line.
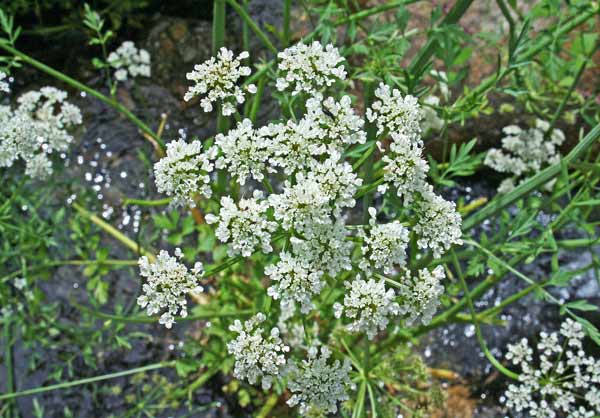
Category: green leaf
<point>580,305</point>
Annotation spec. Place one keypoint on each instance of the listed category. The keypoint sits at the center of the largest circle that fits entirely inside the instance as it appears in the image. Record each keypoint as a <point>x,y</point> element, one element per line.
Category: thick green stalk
<point>218,26</point>
<point>535,182</point>
<point>82,87</point>
<point>65,385</point>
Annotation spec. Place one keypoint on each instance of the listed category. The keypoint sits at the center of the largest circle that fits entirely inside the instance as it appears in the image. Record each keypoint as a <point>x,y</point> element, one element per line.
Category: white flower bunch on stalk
<point>216,80</point>
<point>395,113</point>
<point>318,386</point>
<point>369,304</point>
<point>565,382</point>
<point>244,225</point>
<point>309,68</point>
<point>257,357</point>
<point>185,171</point>
<point>129,61</point>
<point>384,246</point>
<point>37,129</point>
<point>525,152</point>
<point>419,295</point>
<point>167,283</point>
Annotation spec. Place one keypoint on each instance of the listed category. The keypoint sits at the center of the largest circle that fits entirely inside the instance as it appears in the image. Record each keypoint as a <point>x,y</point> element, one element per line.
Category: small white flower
<point>245,152</point>
<point>438,225</point>
<point>369,304</point>
<point>128,61</point>
<point>525,152</point>
<point>316,386</point>
<point>295,282</point>
<point>20,283</point>
<point>244,226</point>
<point>309,68</point>
<point>395,114</point>
<point>168,283</point>
<point>216,80</point>
<point>36,129</point>
<point>555,385</point>
<point>405,168</point>
<point>419,295</point>
<point>185,171</point>
<point>325,248</point>
<point>384,246</point>
<point>257,357</point>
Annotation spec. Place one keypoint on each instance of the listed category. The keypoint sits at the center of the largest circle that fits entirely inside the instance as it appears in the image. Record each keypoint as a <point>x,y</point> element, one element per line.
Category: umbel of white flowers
<point>36,130</point>
<point>168,283</point>
<point>565,382</point>
<point>129,61</point>
<point>525,152</point>
<point>311,208</point>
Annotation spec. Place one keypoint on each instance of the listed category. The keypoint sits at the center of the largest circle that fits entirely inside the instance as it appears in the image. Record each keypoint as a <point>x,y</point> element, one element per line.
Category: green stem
<point>8,362</point>
<point>242,13</point>
<point>142,202</point>
<point>151,320</point>
<point>218,26</point>
<point>82,87</point>
<point>65,385</point>
<point>111,230</point>
<point>565,99</point>
<point>373,10</point>
<point>287,9</point>
<point>480,338</point>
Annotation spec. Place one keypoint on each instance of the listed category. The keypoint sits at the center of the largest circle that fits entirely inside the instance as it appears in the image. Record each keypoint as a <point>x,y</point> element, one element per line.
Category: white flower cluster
<point>244,225</point>
<point>3,84</point>
<point>295,282</point>
<point>566,382</point>
<point>168,283</point>
<point>317,386</point>
<point>385,245</point>
<point>184,172</point>
<point>394,113</point>
<point>216,80</point>
<point>37,129</point>
<point>308,68</point>
<point>369,304</point>
<point>129,61</point>
<point>420,295</point>
<point>525,152</point>
<point>257,357</point>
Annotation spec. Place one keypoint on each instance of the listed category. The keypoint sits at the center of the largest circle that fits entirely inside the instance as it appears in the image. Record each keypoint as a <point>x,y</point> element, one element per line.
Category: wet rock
<point>175,45</point>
